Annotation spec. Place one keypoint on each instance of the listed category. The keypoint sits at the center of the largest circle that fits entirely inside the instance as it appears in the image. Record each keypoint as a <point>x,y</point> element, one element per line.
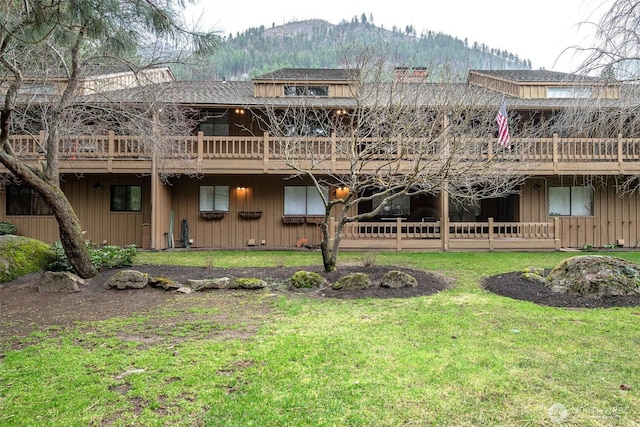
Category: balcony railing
<point>202,148</point>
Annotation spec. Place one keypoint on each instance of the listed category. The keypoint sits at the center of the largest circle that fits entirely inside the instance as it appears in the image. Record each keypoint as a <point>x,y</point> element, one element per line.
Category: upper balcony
<point>263,154</point>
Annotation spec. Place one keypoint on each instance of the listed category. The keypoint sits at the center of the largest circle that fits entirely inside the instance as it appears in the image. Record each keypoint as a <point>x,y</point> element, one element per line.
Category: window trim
<point>34,196</point>
<point>570,197</point>
<point>213,198</point>
<point>316,198</point>
<point>569,92</point>
<point>128,201</point>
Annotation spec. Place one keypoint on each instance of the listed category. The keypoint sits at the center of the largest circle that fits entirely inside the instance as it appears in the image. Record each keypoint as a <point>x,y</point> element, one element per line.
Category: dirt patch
<point>513,285</point>
<point>23,309</point>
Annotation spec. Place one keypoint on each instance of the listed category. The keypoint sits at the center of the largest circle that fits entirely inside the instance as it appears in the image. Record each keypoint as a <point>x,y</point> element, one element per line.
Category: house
<point>227,181</point>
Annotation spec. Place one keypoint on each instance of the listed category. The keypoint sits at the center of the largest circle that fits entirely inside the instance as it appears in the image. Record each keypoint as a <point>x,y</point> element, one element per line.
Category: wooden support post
<point>200,147</point>
<point>444,220</point>
<point>265,152</point>
<point>555,153</point>
<point>556,232</point>
<point>112,150</point>
<point>333,152</point>
<point>620,159</point>
<point>491,234</point>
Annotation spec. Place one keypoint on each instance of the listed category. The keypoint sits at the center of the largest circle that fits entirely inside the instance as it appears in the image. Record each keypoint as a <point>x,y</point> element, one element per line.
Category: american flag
<point>503,126</point>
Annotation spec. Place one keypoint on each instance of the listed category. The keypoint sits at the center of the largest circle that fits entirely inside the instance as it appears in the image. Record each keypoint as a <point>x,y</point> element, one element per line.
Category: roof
<point>309,74</point>
<point>536,76</point>
<point>208,94</point>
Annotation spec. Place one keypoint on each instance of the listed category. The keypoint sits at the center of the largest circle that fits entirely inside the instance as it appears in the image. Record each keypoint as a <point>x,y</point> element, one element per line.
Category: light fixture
<point>341,112</point>
<point>536,186</point>
<point>97,185</point>
<point>239,110</point>
<point>241,187</point>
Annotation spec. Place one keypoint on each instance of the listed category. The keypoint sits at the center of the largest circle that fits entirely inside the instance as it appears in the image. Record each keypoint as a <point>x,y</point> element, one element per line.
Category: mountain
<point>315,44</point>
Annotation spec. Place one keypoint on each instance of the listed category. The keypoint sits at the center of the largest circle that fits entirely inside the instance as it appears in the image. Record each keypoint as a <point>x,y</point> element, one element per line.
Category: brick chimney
<point>411,74</point>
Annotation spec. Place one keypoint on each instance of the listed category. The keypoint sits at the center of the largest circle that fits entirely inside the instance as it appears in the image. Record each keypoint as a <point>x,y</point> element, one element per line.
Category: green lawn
<point>462,357</point>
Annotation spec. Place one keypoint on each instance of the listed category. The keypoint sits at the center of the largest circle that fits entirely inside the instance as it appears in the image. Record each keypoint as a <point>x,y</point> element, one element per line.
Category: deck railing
<point>200,147</point>
<point>389,230</point>
<point>501,230</point>
<point>457,230</point>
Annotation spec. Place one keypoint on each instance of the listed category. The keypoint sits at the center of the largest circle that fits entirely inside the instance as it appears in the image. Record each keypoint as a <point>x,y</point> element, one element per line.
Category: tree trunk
<point>72,239</point>
<point>328,255</point>
<point>71,235</point>
<point>330,252</point>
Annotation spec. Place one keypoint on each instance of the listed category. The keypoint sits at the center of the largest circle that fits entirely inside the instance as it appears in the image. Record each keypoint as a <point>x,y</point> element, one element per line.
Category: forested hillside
<point>317,44</point>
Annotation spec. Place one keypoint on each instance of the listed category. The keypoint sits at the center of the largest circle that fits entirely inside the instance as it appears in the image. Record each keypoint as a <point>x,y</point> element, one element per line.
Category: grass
<point>462,357</point>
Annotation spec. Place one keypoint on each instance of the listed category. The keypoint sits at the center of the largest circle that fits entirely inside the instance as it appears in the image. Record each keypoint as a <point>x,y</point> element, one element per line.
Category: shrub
<point>306,279</point>
<point>369,259</point>
<point>105,257</point>
<point>112,256</point>
<point>7,228</point>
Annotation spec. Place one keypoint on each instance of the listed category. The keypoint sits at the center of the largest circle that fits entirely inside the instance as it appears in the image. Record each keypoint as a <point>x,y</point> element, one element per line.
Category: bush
<point>306,279</point>
<point>7,228</point>
<point>105,257</point>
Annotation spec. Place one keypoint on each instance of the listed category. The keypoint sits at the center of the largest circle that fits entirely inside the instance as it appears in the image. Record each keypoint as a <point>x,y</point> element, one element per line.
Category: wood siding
<point>92,205</point>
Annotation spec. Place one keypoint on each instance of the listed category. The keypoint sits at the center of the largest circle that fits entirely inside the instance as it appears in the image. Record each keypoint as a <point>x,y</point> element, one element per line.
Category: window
<point>215,124</point>
<point>568,92</point>
<point>214,198</point>
<point>306,91</point>
<point>304,200</point>
<point>126,198</point>
<point>23,200</point>
<point>571,201</point>
<point>400,206</point>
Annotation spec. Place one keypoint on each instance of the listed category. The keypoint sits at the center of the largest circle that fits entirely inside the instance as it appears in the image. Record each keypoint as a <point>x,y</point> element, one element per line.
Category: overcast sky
<point>536,30</point>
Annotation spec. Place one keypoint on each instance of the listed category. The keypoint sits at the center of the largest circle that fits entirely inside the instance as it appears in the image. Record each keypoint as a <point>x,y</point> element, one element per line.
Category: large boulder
<point>164,283</point>
<point>595,275</point>
<point>127,279</point>
<point>307,279</point>
<point>20,256</point>
<point>213,283</point>
<point>395,279</point>
<point>352,282</point>
<point>249,283</point>
<point>60,282</point>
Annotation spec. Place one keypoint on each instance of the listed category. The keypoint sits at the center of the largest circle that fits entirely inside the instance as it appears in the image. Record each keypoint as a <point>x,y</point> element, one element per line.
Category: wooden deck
<point>257,155</point>
<point>440,235</point>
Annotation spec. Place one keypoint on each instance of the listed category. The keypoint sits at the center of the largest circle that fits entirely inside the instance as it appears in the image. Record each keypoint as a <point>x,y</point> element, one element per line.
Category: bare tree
<point>614,51</point>
<point>608,106</point>
<point>397,135</point>
<point>47,49</point>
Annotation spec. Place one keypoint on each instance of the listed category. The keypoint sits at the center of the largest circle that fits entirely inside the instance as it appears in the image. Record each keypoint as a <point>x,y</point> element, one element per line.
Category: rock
<point>164,283</point>
<point>306,279</point>
<point>352,282</point>
<point>398,279</point>
<point>60,281</point>
<point>595,275</point>
<point>127,279</point>
<point>250,283</point>
<point>203,284</point>
<point>533,274</point>
<point>184,290</point>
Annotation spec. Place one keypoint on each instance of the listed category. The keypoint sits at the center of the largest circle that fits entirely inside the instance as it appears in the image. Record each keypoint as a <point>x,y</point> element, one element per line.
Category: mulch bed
<point>513,285</point>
